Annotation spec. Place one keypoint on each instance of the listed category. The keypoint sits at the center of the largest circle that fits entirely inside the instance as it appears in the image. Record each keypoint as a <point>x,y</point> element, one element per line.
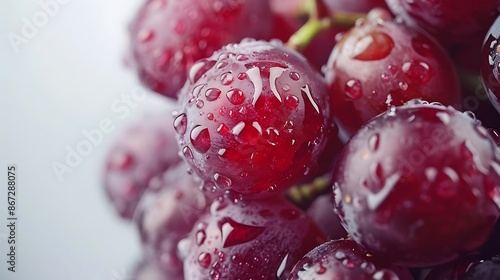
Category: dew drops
<point>210,116</point>
<point>353,89</point>
<point>242,57</point>
<point>385,77</point>
<point>235,96</point>
<point>374,142</point>
<point>294,76</point>
<point>444,117</point>
<point>199,103</point>
<point>221,65</point>
<point>200,138</point>
<point>200,237</point>
<point>421,46</point>
<point>286,87</point>
<point>242,76</point>
<point>373,46</point>
<point>222,181</point>
<point>254,75</point>
<point>180,124</point>
<point>305,90</point>
<point>376,199</point>
<point>282,266</point>
<point>146,35</point>
<point>385,274</point>
<point>403,85</point>
<point>204,259</point>
<point>418,72</point>
<point>226,78</point>
<point>339,255</point>
<point>291,101</point>
<point>234,233</point>
<point>188,153</point>
<point>223,129</point>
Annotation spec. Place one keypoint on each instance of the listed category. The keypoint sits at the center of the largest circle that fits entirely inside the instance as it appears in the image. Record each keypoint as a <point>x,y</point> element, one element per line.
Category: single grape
<point>490,64</point>
<point>167,37</point>
<point>166,214</point>
<point>450,21</point>
<point>419,185</point>
<point>254,118</point>
<point>252,239</point>
<point>146,148</point>
<point>381,63</point>
<point>345,259</point>
<point>321,211</point>
<point>486,269</point>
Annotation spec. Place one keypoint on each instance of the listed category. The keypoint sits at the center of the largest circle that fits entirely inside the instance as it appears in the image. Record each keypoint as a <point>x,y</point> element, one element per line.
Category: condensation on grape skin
<point>353,89</point>
<point>222,181</point>
<point>204,259</point>
<point>180,124</point>
<point>200,138</point>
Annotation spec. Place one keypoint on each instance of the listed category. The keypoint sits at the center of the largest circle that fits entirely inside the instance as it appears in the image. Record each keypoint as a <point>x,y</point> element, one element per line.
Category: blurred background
<point>61,69</point>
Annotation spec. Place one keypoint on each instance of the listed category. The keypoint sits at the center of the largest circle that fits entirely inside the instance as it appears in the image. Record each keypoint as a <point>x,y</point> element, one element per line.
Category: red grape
<point>419,185</point>
<point>254,118</point>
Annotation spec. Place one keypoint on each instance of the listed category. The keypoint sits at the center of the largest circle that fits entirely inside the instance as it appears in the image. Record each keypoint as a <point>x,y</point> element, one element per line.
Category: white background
<point>60,82</point>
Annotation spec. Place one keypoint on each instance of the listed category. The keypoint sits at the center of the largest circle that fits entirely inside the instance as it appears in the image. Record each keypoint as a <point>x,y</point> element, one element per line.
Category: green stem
<point>300,39</point>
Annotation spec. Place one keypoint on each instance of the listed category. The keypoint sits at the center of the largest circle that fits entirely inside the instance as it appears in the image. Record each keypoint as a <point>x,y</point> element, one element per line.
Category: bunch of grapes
<point>315,139</point>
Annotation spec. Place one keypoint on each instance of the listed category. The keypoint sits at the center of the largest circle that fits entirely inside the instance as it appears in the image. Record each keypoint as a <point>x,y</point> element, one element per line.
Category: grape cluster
<point>314,139</point>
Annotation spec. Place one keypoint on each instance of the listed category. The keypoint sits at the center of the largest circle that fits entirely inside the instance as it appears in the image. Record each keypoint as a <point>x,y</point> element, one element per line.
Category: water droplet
<point>392,111</point>
<point>188,154</point>
<point>198,69</point>
<point>200,237</point>
<point>305,90</point>
<point>275,73</point>
<point>422,46</point>
<point>241,57</point>
<point>255,78</point>
<point>221,65</point>
<point>222,181</point>
<point>226,78</point>
<point>180,124</point>
<point>223,129</point>
<point>145,35</point>
<point>368,267</point>
<point>200,138</point>
<point>339,255</point>
<point>197,91</point>
<point>385,274</point>
<point>320,270</point>
<point>294,76</point>
<point>375,45</point>
<point>282,266</point>
<point>495,135</point>
<point>242,76</point>
<point>374,200</point>
<point>353,89</point>
<point>210,116</point>
<point>403,85</point>
<point>291,101</point>
<point>444,117</point>
<point>431,173</point>
<point>235,96</point>
<point>199,103</point>
<point>374,142</point>
<point>204,259</point>
<point>418,72</point>
<point>385,77</point>
<point>234,233</point>
<point>286,87</point>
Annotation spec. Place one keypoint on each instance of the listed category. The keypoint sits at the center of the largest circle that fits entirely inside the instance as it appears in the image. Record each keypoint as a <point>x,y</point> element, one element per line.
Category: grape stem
<point>316,24</point>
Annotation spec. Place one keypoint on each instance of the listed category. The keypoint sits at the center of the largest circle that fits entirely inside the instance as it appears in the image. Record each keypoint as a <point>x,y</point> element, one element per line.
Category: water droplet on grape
<point>254,76</point>
<point>188,154</point>
<point>180,124</point>
<point>200,138</point>
<point>204,259</point>
<point>282,266</point>
<point>199,103</point>
<point>235,96</point>
<point>418,72</point>
<point>373,142</point>
<point>226,78</point>
<point>373,46</point>
<point>353,89</point>
<point>222,181</point>
<point>291,101</point>
<point>294,76</point>
<point>223,129</point>
<point>234,233</point>
<point>385,274</point>
<point>212,94</point>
